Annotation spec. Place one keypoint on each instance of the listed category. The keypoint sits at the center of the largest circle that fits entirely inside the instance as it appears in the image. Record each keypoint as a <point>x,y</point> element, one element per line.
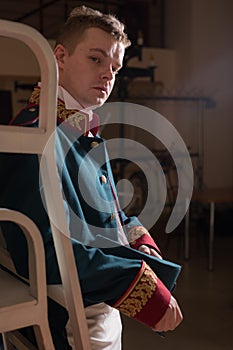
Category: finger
<point>156,254</point>
<point>144,249</point>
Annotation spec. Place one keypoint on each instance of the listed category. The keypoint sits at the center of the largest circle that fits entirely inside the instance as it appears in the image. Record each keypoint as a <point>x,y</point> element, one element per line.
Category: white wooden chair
<point>23,304</point>
<point>33,140</point>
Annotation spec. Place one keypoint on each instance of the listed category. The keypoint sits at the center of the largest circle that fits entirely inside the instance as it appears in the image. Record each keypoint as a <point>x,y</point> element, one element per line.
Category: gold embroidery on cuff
<point>136,232</point>
<point>139,294</point>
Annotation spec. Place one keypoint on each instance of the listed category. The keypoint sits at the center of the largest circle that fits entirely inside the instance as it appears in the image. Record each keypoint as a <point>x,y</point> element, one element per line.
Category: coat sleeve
<point>136,233</point>
<point>146,300</point>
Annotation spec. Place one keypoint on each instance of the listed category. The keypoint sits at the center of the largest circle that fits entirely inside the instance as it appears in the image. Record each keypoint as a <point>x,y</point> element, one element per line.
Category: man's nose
<point>107,73</point>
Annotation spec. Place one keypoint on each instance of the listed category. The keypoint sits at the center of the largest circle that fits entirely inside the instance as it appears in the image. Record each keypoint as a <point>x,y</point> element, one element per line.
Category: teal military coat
<point>90,201</point>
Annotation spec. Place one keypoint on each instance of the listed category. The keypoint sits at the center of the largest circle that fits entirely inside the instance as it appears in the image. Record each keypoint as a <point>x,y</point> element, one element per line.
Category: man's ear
<point>60,53</point>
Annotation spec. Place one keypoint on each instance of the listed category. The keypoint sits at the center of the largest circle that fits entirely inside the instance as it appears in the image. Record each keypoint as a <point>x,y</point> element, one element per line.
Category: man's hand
<point>171,319</point>
<point>150,251</point>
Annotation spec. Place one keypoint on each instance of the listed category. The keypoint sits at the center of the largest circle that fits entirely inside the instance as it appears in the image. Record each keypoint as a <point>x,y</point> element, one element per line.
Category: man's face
<point>88,74</point>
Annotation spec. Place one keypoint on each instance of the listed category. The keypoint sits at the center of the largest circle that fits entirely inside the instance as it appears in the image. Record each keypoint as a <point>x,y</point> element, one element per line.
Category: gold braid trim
<point>139,293</point>
<point>35,96</point>
<point>136,232</point>
<point>73,117</point>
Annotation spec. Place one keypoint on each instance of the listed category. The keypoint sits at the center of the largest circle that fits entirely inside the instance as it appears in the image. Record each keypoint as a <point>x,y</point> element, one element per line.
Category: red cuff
<point>145,239</point>
<point>146,299</point>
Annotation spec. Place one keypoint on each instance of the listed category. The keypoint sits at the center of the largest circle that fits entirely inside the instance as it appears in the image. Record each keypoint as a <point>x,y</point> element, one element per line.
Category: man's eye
<point>95,59</point>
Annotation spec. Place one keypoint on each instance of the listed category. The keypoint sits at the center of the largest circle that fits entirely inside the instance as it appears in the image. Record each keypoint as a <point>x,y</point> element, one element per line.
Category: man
<point>89,52</point>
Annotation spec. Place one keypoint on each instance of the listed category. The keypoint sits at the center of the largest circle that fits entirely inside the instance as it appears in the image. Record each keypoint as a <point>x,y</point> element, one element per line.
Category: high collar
<point>83,120</point>
<point>71,103</point>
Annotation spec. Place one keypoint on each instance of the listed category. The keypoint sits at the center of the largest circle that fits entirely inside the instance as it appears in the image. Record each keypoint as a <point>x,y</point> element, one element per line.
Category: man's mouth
<point>102,89</point>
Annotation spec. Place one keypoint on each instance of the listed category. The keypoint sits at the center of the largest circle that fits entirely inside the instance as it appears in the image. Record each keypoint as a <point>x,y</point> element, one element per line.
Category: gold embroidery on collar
<point>139,294</point>
<point>73,117</point>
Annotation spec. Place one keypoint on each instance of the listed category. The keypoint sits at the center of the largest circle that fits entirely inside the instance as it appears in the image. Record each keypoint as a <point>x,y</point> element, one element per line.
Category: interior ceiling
<point>48,15</point>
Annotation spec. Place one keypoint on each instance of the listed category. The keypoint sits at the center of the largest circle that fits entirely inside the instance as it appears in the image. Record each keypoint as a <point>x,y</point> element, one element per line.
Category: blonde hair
<point>84,17</point>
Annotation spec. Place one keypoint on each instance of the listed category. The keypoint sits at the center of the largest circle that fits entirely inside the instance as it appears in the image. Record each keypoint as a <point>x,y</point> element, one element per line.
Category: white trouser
<point>104,325</point>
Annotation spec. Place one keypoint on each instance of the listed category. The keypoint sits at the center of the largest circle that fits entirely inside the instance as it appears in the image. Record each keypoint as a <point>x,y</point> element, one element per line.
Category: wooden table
<point>210,196</point>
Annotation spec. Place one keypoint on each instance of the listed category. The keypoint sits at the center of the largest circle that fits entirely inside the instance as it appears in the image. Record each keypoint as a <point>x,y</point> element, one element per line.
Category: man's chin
<point>98,103</point>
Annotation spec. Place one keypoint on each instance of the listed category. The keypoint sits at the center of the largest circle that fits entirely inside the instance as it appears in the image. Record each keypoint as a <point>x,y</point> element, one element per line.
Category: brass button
<point>112,217</point>
<point>103,179</point>
<point>94,144</point>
